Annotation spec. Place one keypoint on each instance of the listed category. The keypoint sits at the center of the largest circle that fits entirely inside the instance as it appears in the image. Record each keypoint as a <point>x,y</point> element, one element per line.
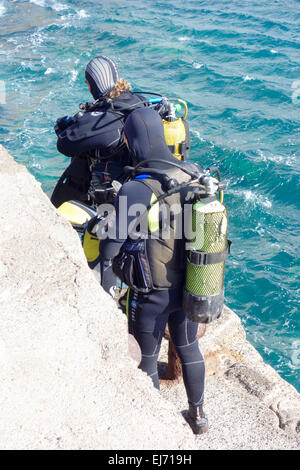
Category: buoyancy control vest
<point>159,258</point>
<point>165,243</point>
<point>155,259</point>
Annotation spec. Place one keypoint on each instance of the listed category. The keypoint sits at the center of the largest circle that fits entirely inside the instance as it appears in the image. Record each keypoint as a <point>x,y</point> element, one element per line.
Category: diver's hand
<point>62,123</point>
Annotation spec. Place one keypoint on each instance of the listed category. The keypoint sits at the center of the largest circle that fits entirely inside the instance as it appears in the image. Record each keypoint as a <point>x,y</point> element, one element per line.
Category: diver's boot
<point>197,419</point>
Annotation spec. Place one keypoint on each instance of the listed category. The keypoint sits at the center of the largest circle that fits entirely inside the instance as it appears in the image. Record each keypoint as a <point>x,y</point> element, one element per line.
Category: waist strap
<point>201,258</point>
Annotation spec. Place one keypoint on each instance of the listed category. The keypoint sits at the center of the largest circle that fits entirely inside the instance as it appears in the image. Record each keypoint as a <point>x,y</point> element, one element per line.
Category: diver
<point>93,137</point>
<point>155,299</point>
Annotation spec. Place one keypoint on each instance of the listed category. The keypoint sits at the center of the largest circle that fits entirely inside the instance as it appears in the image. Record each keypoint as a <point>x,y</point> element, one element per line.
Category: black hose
<point>166,162</point>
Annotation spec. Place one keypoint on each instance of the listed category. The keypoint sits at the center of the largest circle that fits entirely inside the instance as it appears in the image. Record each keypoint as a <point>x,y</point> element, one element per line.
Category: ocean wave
<point>236,69</point>
<point>296,92</point>
<point>246,78</point>
<point>197,65</point>
<point>74,74</point>
<point>36,38</point>
<point>82,14</point>
<point>2,9</point>
<point>50,4</point>
<point>257,199</point>
<point>279,160</point>
<point>295,355</point>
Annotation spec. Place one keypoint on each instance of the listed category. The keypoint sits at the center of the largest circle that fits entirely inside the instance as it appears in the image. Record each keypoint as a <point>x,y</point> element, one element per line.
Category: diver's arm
<point>72,148</point>
<point>91,131</point>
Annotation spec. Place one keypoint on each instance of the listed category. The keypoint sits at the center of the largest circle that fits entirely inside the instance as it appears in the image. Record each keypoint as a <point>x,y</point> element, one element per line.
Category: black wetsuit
<point>98,131</point>
<point>149,313</point>
<point>97,149</point>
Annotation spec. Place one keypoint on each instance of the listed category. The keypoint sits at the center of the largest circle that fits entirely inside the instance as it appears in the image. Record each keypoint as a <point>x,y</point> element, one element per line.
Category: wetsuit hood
<point>102,74</point>
<point>145,135</point>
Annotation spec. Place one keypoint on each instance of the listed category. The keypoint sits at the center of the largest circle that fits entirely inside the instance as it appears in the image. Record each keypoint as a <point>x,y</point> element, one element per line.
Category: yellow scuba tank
<point>77,213</point>
<point>91,242</point>
<point>203,295</point>
<point>177,131</point>
<point>84,220</point>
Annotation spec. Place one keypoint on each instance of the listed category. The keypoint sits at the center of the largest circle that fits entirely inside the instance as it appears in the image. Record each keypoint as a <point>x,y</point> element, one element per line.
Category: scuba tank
<point>85,221</point>
<point>77,213</point>
<point>91,242</point>
<point>203,295</point>
<point>93,229</point>
<point>177,131</point>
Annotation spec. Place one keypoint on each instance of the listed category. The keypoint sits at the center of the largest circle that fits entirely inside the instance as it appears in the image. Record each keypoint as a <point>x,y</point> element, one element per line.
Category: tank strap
<point>181,147</point>
<point>201,258</point>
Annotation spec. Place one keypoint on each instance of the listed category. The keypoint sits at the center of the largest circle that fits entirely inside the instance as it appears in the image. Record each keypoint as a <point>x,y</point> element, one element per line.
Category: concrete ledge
<point>67,381</point>
<point>66,378</point>
<point>228,352</point>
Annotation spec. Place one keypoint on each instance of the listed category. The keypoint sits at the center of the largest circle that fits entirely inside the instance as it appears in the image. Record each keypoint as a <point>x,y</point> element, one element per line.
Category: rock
<point>254,382</point>
<point>288,413</point>
<point>66,378</point>
<point>67,381</point>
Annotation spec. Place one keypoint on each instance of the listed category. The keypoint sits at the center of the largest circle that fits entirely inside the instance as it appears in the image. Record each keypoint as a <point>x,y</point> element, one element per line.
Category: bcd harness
<point>155,262</point>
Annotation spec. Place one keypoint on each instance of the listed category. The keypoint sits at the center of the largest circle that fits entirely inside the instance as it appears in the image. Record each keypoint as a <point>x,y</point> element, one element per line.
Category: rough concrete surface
<point>67,381</point>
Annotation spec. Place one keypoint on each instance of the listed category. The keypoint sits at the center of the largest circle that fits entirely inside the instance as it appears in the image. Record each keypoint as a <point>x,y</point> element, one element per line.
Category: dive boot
<point>121,298</point>
<point>197,419</point>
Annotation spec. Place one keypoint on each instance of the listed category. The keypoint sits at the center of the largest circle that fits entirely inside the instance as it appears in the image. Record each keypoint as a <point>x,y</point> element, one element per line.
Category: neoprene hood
<point>102,74</point>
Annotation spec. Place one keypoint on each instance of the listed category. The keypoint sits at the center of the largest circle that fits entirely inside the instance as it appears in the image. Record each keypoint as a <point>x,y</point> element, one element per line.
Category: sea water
<point>237,66</point>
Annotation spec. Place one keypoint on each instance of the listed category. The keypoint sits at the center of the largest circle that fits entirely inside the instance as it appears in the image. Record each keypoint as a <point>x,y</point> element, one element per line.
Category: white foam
<point>296,353</point>
<point>82,14</point>
<point>184,38</point>
<point>267,350</point>
<point>36,165</point>
<point>246,78</point>
<point>2,9</point>
<point>36,39</point>
<point>197,134</point>
<point>197,65</point>
<point>258,199</point>
<point>295,96</point>
<point>74,74</point>
<point>2,92</point>
<point>296,92</point>
<point>50,4</point>
<point>49,70</point>
<point>295,84</point>
<point>273,51</point>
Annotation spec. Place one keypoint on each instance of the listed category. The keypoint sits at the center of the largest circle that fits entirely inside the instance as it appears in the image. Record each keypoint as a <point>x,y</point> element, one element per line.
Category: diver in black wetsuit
<point>93,137</point>
<point>149,312</point>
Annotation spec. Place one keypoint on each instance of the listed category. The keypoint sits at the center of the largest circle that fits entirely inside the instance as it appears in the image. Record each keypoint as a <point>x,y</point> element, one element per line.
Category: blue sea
<point>237,66</point>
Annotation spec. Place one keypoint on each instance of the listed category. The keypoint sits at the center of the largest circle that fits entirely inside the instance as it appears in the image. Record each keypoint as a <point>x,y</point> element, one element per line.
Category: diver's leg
<point>108,278</point>
<point>184,336</point>
<point>108,250</point>
<point>147,319</point>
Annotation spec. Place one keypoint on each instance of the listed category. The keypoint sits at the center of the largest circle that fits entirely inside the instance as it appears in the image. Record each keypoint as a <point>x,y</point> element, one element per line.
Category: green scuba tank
<point>203,295</point>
